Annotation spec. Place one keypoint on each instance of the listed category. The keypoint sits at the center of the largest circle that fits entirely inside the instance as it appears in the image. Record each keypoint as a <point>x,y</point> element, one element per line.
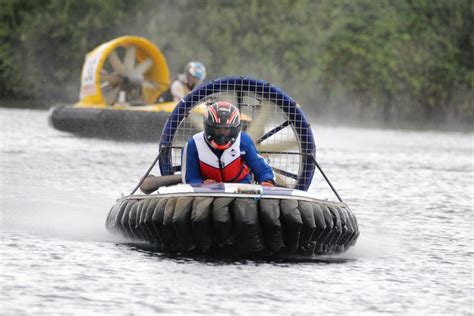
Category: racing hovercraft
<point>120,85</point>
<point>244,219</point>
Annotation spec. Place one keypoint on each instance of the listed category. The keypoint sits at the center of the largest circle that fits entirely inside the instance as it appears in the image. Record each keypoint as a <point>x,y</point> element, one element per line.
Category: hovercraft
<point>120,84</point>
<point>233,218</point>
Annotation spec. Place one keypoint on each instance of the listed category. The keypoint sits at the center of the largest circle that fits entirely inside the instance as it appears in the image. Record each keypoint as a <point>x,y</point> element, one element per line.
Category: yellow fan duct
<point>128,70</point>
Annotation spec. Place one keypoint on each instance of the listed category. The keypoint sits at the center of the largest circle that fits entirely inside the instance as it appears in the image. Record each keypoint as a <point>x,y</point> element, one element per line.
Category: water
<point>412,193</point>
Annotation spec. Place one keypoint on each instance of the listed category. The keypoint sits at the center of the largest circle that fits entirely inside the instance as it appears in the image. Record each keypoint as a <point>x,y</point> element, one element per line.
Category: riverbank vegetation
<point>388,61</point>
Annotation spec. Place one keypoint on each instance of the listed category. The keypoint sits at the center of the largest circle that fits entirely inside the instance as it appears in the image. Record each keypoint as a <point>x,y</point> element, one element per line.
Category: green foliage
<point>406,60</point>
<point>45,43</point>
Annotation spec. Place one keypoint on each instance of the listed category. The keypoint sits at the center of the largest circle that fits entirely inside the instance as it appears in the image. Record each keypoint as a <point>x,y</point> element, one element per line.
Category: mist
<point>63,215</point>
<point>386,76</point>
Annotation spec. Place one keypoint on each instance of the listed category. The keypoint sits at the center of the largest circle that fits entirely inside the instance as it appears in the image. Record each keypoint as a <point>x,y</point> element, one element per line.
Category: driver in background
<point>194,74</point>
<point>222,153</point>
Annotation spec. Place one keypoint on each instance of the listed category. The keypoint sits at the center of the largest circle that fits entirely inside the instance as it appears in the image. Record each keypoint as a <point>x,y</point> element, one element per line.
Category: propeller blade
<point>150,84</point>
<point>116,63</point>
<point>111,79</point>
<point>105,84</point>
<point>110,94</point>
<point>278,146</point>
<point>279,180</point>
<point>257,125</point>
<point>196,120</point>
<point>129,60</point>
<point>143,67</point>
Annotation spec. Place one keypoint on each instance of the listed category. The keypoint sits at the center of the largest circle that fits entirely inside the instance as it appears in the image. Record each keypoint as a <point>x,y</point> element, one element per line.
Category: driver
<point>222,153</point>
<point>194,74</point>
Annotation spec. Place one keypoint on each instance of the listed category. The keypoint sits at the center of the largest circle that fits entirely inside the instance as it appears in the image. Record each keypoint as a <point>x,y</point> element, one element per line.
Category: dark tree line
<point>396,61</point>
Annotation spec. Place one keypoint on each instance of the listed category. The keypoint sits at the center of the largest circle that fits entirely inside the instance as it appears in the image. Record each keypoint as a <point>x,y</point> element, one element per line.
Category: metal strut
<point>149,170</point>
<point>326,178</point>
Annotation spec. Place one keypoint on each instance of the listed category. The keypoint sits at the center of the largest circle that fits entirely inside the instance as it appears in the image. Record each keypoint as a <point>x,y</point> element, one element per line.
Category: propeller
<point>127,76</point>
<point>271,141</point>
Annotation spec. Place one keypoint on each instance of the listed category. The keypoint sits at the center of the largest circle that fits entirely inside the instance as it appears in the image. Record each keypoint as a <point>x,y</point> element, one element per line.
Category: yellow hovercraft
<point>120,85</point>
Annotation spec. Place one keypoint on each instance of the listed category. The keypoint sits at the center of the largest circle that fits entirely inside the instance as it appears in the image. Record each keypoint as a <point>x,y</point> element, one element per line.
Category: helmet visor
<point>224,131</point>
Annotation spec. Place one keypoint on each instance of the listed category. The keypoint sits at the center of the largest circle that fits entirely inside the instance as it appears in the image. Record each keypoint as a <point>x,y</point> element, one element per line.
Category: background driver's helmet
<point>195,73</point>
<point>221,125</point>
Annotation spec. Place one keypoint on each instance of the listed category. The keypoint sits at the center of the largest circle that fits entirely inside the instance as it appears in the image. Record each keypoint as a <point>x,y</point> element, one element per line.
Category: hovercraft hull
<point>274,221</point>
<point>108,123</point>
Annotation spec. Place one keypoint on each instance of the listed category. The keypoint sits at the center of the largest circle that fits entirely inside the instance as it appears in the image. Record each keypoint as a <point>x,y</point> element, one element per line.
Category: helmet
<point>221,125</point>
<point>195,73</point>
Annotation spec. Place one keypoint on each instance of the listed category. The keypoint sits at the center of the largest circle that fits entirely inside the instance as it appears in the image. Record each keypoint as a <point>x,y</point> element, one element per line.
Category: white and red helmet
<point>221,125</point>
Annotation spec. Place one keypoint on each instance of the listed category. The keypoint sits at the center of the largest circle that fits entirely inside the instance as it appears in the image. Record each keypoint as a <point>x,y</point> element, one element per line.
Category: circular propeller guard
<point>273,120</point>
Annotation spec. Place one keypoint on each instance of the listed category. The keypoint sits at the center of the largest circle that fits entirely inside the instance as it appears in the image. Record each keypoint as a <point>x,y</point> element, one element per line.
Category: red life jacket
<point>230,167</point>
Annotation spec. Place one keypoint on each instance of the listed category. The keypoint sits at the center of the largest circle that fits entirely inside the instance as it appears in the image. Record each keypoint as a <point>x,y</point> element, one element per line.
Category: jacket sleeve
<point>190,163</point>
<point>256,163</point>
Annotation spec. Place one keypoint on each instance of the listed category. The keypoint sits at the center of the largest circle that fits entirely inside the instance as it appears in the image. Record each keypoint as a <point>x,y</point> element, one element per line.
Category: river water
<point>412,193</point>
